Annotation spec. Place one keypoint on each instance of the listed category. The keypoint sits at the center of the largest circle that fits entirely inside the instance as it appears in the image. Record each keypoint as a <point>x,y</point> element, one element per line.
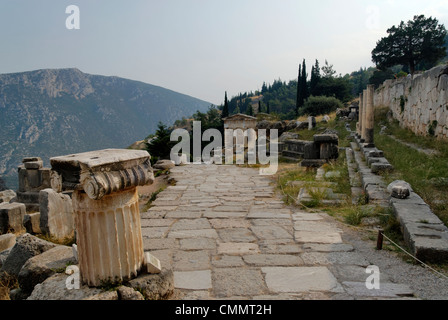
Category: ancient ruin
<point>105,203</point>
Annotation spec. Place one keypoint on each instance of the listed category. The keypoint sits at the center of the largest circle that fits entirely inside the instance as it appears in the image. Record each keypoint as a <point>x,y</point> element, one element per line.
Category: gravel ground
<point>427,285</point>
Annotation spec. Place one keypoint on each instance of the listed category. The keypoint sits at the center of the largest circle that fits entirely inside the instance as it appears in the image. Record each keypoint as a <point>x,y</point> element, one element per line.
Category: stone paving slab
<point>227,235</point>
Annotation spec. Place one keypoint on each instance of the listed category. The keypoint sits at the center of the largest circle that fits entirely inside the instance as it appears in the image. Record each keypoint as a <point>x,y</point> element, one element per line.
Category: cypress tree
<point>305,91</point>
<point>268,109</point>
<point>315,77</point>
<point>225,109</point>
<point>299,100</point>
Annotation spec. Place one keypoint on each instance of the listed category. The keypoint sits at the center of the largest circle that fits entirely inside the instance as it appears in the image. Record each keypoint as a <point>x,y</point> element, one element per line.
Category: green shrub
<point>316,106</point>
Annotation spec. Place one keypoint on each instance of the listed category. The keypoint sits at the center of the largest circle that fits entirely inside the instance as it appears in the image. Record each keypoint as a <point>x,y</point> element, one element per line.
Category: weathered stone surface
<point>7,195</point>
<point>56,214</point>
<point>7,241</point>
<point>44,265</point>
<point>224,261</point>
<point>188,234</point>
<point>300,279</point>
<point>236,235</point>
<point>11,217</point>
<point>327,138</point>
<point>54,288</point>
<point>164,164</point>
<point>197,244</point>
<point>328,258</point>
<point>399,189</point>
<point>127,293</point>
<point>271,232</point>
<point>273,260</point>
<point>227,283</point>
<point>26,247</point>
<point>193,280</point>
<point>114,222</point>
<point>31,222</point>
<point>155,286</point>
<point>238,248</point>
<point>191,260</point>
<point>317,237</point>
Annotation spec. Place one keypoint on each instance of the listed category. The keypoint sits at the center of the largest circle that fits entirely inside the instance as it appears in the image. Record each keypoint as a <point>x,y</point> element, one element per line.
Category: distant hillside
<point>54,112</point>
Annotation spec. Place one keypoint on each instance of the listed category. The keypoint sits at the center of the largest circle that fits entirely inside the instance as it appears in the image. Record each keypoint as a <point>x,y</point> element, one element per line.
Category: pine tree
<point>225,110</point>
<point>160,146</point>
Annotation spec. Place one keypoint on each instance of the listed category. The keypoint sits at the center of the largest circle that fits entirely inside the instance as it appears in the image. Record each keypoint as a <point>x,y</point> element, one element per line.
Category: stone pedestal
<point>106,210</point>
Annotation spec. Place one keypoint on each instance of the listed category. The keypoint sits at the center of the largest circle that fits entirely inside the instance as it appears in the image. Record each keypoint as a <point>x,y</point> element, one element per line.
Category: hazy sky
<point>200,47</point>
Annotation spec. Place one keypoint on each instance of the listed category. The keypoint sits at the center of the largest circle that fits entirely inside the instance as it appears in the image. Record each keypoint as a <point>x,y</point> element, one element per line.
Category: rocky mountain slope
<point>54,112</point>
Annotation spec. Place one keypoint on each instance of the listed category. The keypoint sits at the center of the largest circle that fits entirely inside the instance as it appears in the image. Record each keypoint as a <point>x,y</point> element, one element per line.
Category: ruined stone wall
<point>419,103</point>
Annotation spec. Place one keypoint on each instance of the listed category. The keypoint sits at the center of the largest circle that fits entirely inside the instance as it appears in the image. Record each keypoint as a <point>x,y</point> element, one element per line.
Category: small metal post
<point>379,243</point>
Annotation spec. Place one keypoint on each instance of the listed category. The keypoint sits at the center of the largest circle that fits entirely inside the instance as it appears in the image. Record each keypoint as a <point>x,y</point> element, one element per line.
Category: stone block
<point>326,138</point>
<point>311,150</point>
<point>329,151</point>
<point>56,214</point>
<point>7,195</point>
<point>7,241</point>
<point>31,222</point>
<point>152,264</point>
<point>300,279</point>
<point>11,217</point>
<point>26,247</point>
<point>42,266</point>
<point>379,167</point>
<point>193,280</point>
<point>33,165</point>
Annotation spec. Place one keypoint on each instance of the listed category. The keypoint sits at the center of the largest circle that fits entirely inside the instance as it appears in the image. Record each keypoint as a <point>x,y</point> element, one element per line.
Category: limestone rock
<point>54,288</point>
<point>7,241</point>
<point>11,217</point>
<point>56,214</point>
<point>42,266</point>
<point>31,222</point>
<point>288,136</point>
<point>155,286</point>
<point>126,293</point>
<point>26,247</point>
<point>399,189</point>
<point>3,256</point>
<point>7,195</point>
<point>164,164</point>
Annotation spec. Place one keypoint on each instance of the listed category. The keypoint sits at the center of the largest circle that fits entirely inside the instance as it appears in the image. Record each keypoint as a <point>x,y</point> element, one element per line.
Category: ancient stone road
<point>227,235</point>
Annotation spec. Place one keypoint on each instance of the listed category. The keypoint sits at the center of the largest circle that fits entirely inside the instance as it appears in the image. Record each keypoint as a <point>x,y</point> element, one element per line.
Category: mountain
<point>52,112</point>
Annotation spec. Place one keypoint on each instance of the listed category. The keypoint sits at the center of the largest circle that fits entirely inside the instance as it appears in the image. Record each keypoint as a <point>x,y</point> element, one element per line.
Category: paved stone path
<point>227,235</point>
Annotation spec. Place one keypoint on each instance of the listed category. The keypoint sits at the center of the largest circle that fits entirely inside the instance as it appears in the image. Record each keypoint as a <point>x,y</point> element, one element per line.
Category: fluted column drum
<point>109,235</point>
